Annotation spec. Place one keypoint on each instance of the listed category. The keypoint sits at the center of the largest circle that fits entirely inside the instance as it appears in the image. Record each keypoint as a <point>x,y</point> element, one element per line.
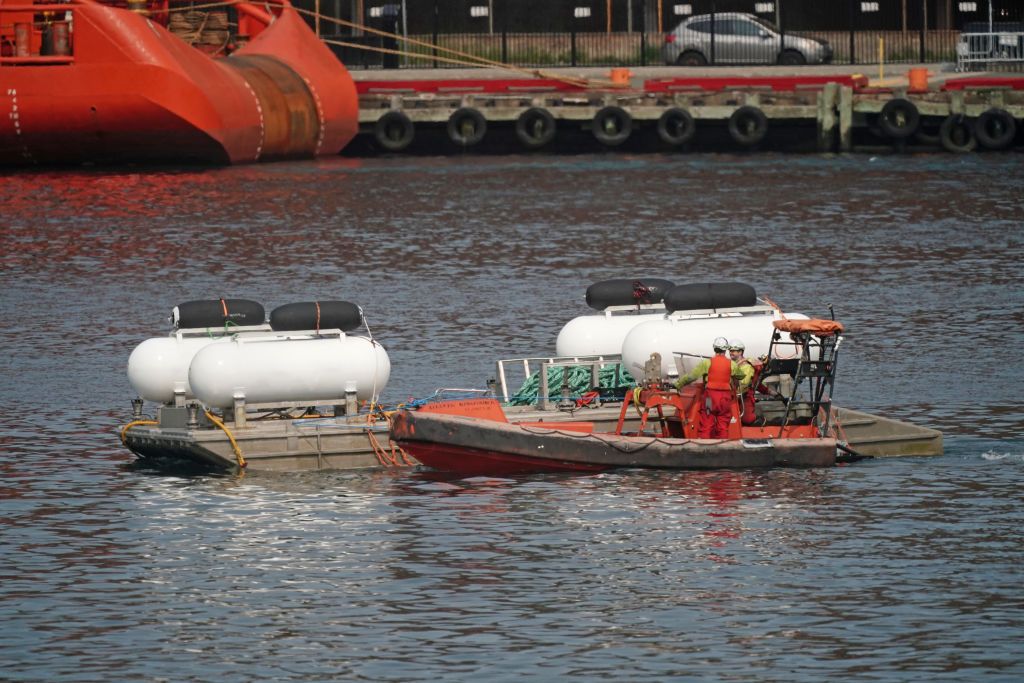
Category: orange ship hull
<point>129,90</point>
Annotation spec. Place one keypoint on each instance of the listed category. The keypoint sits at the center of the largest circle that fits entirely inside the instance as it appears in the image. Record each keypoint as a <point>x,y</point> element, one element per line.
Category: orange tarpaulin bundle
<point>816,326</point>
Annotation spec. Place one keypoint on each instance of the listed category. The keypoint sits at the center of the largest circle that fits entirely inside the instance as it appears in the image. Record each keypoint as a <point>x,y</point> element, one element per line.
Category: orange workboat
<point>84,81</point>
<point>794,427</point>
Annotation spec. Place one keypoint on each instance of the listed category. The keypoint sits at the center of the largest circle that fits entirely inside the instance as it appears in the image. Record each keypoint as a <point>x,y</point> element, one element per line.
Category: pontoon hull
<point>476,446</point>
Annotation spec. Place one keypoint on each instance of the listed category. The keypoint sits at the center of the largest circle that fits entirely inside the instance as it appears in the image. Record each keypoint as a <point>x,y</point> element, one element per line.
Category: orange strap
<point>775,306</point>
<point>317,315</point>
<point>224,305</point>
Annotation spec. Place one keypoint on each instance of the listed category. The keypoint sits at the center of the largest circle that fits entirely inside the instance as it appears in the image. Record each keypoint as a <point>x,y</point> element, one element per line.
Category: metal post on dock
<point>643,32</point>
<point>239,411</point>
<point>713,32</point>
<point>924,28</point>
<point>845,118</point>
<point>351,400</point>
<point>545,394</point>
<point>827,117</point>
<point>782,26</point>
<point>436,29</point>
<point>853,46</point>
<point>504,32</point>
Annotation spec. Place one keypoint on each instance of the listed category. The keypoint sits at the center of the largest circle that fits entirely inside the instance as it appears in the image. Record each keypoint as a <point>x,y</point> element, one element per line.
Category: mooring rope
<point>469,59</point>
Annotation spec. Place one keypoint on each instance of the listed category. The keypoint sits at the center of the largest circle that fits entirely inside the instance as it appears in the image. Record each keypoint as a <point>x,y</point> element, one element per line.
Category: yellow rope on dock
<point>234,445</point>
<point>124,430</point>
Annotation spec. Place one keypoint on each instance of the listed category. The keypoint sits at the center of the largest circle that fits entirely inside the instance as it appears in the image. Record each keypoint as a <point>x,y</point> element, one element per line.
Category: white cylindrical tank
<point>159,366</point>
<point>694,335</point>
<point>289,368</point>
<point>599,335</point>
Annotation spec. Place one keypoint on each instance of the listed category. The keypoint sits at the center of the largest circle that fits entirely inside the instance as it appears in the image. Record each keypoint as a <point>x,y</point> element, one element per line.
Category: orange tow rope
<point>386,459</point>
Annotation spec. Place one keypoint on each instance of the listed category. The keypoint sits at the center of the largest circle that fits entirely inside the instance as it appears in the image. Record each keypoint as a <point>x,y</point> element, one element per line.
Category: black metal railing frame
<point>907,43</point>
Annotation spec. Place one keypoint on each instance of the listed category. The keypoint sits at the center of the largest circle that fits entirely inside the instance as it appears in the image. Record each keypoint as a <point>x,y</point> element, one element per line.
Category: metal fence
<point>991,50</point>
<point>539,33</point>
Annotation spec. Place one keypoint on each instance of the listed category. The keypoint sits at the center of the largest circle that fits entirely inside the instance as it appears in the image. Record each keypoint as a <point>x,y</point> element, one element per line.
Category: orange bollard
<point>918,80</point>
<point>621,76</point>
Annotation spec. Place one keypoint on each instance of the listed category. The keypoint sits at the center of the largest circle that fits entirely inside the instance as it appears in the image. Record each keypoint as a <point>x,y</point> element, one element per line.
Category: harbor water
<point>903,569</point>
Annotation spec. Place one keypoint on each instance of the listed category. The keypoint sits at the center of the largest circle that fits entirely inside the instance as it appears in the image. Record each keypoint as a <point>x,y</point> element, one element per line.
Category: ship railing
<point>541,364</point>
<point>26,41</point>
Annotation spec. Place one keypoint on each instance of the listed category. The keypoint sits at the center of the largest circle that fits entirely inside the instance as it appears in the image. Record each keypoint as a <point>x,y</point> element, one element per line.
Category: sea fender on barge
<point>699,313</point>
<point>624,303</point>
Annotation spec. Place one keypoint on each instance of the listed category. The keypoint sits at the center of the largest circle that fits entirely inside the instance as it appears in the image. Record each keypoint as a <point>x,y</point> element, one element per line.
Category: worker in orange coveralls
<point>718,374</point>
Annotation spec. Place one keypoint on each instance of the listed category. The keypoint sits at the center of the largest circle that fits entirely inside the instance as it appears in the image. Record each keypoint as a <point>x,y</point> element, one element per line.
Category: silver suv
<point>739,38</point>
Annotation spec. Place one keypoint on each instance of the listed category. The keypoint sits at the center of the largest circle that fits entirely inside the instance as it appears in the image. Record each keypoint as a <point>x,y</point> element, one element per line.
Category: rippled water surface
<point>888,570</point>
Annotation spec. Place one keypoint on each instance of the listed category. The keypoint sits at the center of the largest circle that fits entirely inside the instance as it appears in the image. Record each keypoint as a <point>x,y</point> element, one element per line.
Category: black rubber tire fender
<point>394,131</point>
<point>466,126</point>
<point>535,127</point>
<point>948,134</point>
<point>1004,125</point>
<point>612,125</point>
<point>748,125</point>
<point>899,118</point>
<point>927,132</point>
<point>676,126</point>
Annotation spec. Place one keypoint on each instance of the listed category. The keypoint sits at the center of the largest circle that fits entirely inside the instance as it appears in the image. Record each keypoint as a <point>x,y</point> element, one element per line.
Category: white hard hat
<point>737,345</point>
<point>720,344</point>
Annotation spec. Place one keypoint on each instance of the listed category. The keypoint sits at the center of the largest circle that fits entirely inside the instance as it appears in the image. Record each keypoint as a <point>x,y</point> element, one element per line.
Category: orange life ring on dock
<point>466,127</point>
<point>676,126</point>
<point>612,125</point>
<point>748,125</point>
<point>394,131</point>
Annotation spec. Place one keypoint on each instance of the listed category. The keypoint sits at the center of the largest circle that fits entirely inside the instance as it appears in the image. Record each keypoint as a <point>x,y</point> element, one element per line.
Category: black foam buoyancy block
<point>627,292</point>
<point>706,295</point>
<point>316,315</point>
<point>219,312</point>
